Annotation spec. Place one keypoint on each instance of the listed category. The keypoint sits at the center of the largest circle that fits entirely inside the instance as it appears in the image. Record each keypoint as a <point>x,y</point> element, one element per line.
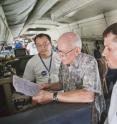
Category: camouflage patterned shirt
<point>83,74</point>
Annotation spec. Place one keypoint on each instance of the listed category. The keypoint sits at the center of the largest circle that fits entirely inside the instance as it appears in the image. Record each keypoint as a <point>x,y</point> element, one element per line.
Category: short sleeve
<point>28,72</point>
<point>91,79</point>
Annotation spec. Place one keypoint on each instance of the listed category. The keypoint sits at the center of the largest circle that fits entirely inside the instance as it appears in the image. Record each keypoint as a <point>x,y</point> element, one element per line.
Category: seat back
<point>103,69</point>
<point>21,64</point>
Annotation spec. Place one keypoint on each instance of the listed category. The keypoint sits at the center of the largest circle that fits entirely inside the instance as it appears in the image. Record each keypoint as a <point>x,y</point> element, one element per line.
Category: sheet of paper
<point>24,86</point>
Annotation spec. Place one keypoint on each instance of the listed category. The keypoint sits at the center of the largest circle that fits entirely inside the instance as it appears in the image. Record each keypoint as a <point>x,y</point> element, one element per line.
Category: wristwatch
<point>55,98</point>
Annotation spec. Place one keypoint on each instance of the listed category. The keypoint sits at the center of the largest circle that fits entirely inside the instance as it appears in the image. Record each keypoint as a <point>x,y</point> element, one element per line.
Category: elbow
<point>91,100</point>
<point>91,97</point>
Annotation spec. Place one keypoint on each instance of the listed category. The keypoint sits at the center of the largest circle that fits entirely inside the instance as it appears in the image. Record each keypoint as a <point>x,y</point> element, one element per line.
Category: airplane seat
<point>21,64</point>
<point>20,101</point>
<point>103,68</point>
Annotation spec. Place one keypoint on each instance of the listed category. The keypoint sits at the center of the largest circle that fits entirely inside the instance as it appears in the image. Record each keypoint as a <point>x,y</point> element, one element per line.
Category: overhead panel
<point>48,5</point>
<point>16,12</point>
<point>70,7</point>
<point>36,18</point>
<point>48,24</point>
<point>41,8</point>
<point>5,33</point>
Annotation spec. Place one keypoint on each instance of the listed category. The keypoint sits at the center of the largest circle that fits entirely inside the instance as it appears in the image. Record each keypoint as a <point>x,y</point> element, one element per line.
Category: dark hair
<point>111,29</point>
<point>42,35</point>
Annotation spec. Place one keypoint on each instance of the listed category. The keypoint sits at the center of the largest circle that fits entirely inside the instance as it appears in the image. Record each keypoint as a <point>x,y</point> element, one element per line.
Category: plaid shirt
<point>83,74</point>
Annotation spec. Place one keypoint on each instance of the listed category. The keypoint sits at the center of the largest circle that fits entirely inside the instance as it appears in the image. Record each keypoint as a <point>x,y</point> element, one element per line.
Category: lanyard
<point>48,69</point>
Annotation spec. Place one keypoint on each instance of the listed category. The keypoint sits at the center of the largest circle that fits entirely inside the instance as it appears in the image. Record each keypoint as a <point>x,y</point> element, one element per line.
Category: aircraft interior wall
<point>5,33</point>
<point>22,20</point>
<point>90,29</point>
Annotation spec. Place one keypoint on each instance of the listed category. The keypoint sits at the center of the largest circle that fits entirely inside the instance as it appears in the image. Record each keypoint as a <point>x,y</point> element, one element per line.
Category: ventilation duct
<point>69,7</point>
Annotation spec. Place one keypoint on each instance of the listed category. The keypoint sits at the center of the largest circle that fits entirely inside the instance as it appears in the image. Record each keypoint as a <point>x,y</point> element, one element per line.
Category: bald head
<point>69,47</point>
<point>70,39</point>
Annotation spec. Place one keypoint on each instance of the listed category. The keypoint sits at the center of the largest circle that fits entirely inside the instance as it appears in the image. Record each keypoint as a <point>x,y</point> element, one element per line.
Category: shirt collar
<point>77,60</point>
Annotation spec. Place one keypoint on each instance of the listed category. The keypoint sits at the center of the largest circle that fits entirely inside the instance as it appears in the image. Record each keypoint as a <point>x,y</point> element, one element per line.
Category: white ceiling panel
<point>48,14</point>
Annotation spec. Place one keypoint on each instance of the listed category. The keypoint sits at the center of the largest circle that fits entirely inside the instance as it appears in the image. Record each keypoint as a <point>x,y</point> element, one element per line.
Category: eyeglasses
<point>64,53</point>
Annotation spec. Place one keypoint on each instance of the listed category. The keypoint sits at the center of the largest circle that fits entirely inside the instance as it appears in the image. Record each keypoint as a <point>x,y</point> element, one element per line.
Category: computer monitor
<point>20,52</point>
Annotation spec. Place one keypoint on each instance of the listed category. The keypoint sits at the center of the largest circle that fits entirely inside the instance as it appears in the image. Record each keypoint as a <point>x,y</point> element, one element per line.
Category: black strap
<point>55,98</point>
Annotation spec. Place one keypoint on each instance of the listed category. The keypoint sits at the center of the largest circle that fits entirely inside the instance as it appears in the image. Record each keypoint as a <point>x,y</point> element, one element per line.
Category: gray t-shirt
<point>35,69</point>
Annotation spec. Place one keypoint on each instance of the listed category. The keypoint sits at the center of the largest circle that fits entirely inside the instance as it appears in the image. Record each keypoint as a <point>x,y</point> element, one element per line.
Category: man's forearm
<point>77,96</point>
<point>55,86</point>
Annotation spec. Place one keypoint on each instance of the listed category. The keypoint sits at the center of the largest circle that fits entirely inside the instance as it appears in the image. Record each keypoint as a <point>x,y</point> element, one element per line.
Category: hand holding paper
<point>24,86</point>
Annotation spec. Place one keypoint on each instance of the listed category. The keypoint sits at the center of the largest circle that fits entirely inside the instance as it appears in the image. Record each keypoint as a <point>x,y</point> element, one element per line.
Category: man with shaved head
<point>78,76</point>
<point>69,41</point>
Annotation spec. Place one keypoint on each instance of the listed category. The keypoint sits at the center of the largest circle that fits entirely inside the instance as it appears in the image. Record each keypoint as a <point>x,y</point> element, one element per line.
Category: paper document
<point>25,86</point>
